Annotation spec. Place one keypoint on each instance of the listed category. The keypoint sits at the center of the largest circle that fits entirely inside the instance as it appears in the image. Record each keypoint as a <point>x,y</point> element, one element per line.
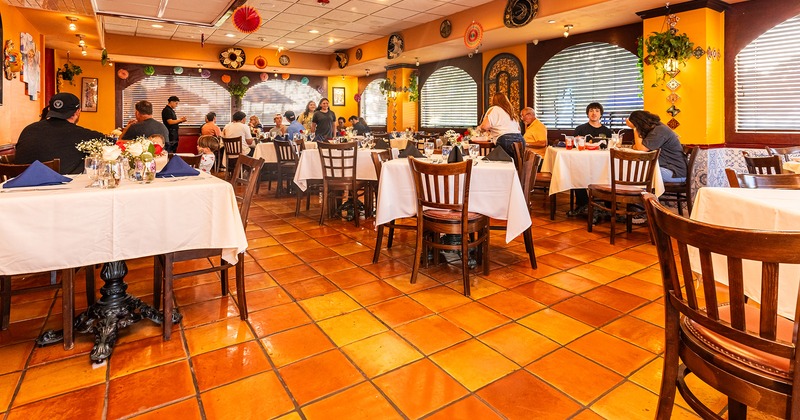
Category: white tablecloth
<point>573,169</point>
<point>494,191</point>
<point>68,225</point>
<point>792,166</point>
<point>310,167</point>
<point>267,151</point>
<point>766,209</point>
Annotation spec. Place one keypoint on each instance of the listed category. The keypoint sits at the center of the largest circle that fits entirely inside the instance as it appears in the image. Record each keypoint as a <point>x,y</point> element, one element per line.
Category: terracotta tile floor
<point>332,335</point>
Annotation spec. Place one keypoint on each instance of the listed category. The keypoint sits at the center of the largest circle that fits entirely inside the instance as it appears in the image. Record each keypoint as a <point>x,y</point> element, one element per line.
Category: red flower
<point>121,145</point>
<point>466,133</point>
<point>158,148</point>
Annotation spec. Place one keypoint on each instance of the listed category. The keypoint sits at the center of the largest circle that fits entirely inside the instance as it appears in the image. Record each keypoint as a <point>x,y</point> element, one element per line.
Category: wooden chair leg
<point>669,376</point>
<point>390,239</point>
<point>528,237</point>
<point>325,205</point>
<point>465,263</point>
<point>553,207</point>
<point>240,288</point>
<point>485,262</point>
<point>378,241</point>
<point>223,277</point>
<point>590,215</point>
<point>417,252</point>
<point>158,279</point>
<point>168,306</point>
<point>68,306</point>
<point>613,221</point>
<point>736,410</point>
<point>5,301</point>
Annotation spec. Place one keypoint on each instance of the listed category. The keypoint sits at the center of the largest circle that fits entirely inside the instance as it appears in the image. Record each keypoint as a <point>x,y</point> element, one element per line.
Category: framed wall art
<point>338,96</point>
<point>89,94</point>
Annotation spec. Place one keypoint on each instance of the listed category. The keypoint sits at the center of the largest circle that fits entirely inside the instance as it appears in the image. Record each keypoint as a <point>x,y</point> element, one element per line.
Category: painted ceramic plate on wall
<point>473,36</point>
<point>284,60</point>
<point>232,58</point>
<point>359,54</point>
<point>445,28</point>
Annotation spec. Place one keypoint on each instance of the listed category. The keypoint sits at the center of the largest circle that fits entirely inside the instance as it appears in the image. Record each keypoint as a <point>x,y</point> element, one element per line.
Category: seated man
<point>359,127</point>
<point>143,124</point>
<point>595,129</point>
<point>56,136</point>
<point>294,126</point>
<point>237,128</point>
<point>535,132</point>
<point>210,128</point>
<point>279,128</point>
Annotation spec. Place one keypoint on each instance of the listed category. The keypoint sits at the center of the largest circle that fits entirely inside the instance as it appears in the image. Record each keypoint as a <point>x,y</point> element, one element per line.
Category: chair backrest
<point>527,172</point>
<point>762,164</point>
<point>233,145</point>
<point>775,181</point>
<point>11,170</point>
<point>191,160</point>
<point>284,151</point>
<point>771,248</point>
<point>783,152</point>
<point>486,147</point>
<point>244,181</point>
<point>633,168</point>
<point>8,157</point>
<point>378,158</point>
<point>442,186</point>
<point>299,145</point>
<point>338,160</point>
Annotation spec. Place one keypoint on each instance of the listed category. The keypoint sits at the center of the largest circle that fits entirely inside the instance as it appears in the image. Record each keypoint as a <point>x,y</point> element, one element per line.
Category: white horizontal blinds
<point>585,73</point>
<point>449,98</point>
<point>276,96</point>
<point>373,104</point>
<point>198,97</point>
<point>767,75</point>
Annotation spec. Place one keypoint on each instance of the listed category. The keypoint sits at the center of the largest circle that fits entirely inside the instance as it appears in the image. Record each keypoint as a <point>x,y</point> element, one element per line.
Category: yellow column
<point>701,103</point>
<point>400,112</point>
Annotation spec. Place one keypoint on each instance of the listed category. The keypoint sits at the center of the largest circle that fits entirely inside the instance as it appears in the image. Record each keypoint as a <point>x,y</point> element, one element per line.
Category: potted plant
<point>69,72</point>
<point>237,91</point>
<point>666,51</point>
<point>387,87</point>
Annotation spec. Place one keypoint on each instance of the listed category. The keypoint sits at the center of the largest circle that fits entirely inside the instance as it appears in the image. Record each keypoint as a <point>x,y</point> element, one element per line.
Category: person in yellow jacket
<point>535,132</point>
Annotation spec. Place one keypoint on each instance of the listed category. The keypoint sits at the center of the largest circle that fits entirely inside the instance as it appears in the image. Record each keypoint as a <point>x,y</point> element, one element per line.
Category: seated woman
<point>254,124</point>
<point>649,133</point>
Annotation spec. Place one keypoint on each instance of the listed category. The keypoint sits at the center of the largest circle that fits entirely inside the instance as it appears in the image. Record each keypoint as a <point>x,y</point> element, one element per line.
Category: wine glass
<point>446,152</point>
<point>272,135</point>
<point>428,150</point>
<point>91,164</point>
<point>474,151</point>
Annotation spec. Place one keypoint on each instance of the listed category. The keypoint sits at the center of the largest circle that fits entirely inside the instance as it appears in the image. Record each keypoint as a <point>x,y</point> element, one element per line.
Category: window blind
<point>198,97</point>
<point>449,99</point>
<point>585,73</point>
<point>373,105</point>
<point>767,74</point>
<point>276,96</point>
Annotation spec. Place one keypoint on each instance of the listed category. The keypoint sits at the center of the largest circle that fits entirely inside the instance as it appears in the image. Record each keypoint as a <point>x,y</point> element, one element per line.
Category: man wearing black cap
<point>294,125</point>
<point>56,136</point>
<point>172,122</point>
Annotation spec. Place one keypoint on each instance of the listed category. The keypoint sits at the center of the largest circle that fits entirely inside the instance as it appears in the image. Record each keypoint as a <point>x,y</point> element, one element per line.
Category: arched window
<point>276,96</point>
<point>198,97</point>
<point>585,73</point>
<point>768,81</point>
<point>373,105</point>
<point>449,98</point>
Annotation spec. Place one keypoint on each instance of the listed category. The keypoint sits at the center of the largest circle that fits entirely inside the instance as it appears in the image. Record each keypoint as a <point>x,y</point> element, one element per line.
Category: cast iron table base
<point>115,310</point>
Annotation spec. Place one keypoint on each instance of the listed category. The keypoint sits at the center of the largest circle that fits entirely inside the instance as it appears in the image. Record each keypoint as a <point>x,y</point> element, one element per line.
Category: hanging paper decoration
<point>246,19</point>
<point>473,36</point>
<point>205,73</point>
<point>264,76</point>
<point>225,78</point>
<point>304,80</point>
<point>177,70</point>
<point>245,80</point>
<point>260,62</point>
<point>285,76</point>
<point>357,97</point>
<point>320,90</point>
<point>323,2</point>
<point>149,70</point>
<point>202,40</point>
<point>122,74</point>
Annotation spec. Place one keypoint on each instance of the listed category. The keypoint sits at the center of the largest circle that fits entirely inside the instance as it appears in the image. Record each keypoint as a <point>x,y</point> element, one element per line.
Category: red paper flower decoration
<point>323,2</point>
<point>246,19</point>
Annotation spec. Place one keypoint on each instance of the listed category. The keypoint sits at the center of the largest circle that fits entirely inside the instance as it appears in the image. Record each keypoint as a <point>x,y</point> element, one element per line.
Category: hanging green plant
<point>69,72</point>
<point>387,87</point>
<point>104,57</point>
<point>237,90</point>
<point>413,88</point>
<point>666,51</point>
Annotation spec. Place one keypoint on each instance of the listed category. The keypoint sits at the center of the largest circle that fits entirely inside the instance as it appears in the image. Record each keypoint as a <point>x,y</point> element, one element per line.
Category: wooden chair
<point>8,157</point>
<point>378,158</point>
<point>233,148</point>
<point>631,173</point>
<point>527,176</point>
<point>744,351</point>
<point>443,208</point>
<point>777,181</point>
<point>486,147</point>
<point>11,170</point>
<point>681,192</point>
<point>784,152</point>
<point>339,162</point>
<point>191,160</point>
<point>287,165</point>
<point>314,185</point>
<point>244,179</point>
<point>763,164</point>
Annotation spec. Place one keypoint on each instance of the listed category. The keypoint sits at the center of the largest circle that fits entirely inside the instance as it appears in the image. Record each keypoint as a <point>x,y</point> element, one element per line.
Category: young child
<point>206,146</point>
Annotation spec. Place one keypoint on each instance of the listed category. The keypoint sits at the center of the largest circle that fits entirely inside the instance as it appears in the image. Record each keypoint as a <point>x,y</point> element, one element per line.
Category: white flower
<point>111,152</point>
<point>135,149</point>
<point>116,132</point>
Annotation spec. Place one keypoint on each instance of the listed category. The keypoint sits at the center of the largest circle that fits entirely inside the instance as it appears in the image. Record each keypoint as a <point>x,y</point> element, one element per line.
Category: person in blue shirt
<point>294,126</point>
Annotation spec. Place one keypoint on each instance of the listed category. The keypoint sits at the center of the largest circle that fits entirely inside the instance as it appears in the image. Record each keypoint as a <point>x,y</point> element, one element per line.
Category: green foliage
<point>387,87</point>
<point>69,72</point>
<point>667,45</point>
<point>237,90</point>
<point>413,88</point>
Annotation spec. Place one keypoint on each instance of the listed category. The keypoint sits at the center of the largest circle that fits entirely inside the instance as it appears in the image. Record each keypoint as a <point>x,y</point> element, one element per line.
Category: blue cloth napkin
<point>561,144</point>
<point>177,167</point>
<point>36,175</point>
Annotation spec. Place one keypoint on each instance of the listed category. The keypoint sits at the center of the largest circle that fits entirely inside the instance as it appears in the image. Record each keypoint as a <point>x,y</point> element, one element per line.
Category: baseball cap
<point>63,105</point>
<point>289,115</point>
<point>173,99</point>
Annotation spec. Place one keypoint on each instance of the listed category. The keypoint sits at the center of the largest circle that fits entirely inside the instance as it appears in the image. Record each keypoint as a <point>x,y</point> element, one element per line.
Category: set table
<point>266,150</point>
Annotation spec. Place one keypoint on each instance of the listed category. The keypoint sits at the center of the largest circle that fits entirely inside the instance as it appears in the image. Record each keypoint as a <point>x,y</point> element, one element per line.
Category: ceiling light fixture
<point>83,51</point>
<point>289,41</point>
<point>81,42</point>
<point>535,42</point>
<point>162,8</point>
<point>313,31</point>
<point>230,35</point>
<point>566,30</point>
<point>551,21</point>
<point>367,72</point>
<point>417,58</point>
<point>157,26</point>
<point>72,25</point>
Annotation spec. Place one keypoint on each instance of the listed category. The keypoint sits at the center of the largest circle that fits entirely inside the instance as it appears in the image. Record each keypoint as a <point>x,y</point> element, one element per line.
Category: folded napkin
<point>455,156</point>
<point>177,167</point>
<point>36,175</point>
<point>498,155</point>
<point>382,144</point>
<point>410,150</point>
<point>561,144</point>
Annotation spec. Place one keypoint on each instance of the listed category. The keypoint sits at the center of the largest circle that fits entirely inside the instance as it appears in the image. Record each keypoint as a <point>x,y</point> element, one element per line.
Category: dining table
<point>309,166</point>
<point>576,169</point>
<point>69,225</point>
<point>266,150</point>
<point>757,208</point>
<point>494,191</point>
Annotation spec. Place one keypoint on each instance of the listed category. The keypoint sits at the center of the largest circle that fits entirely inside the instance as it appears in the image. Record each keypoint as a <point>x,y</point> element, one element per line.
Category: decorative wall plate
<point>341,59</point>
<point>473,35</point>
<point>122,74</point>
<point>232,58</point>
<point>359,54</point>
<point>519,13</point>
<point>177,70</point>
<point>260,62</point>
<point>673,111</point>
<point>673,123</point>
<point>395,47</point>
<point>673,84</point>
<point>698,52</point>
<point>445,28</point>
<point>284,60</point>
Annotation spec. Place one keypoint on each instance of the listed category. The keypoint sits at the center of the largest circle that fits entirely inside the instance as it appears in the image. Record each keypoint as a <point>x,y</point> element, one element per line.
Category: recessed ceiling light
<point>155,25</point>
<point>551,21</point>
<point>330,41</point>
<point>230,35</point>
<point>313,31</point>
<point>290,41</point>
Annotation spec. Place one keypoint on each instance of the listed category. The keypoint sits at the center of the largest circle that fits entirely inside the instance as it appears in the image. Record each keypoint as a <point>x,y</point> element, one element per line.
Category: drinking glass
<point>568,142</point>
<point>272,135</point>
<point>429,146</point>
<point>581,142</point>
<point>91,164</point>
<point>474,151</point>
<point>614,140</point>
<point>446,152</point>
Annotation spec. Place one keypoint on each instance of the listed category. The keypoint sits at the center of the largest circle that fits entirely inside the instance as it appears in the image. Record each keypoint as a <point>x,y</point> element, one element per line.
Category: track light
<point>83,51</point>
<point>367,72</point>
<point>417,58</point>
<point>566,30</point>
<point>72,25</point>
<point>81,42</point>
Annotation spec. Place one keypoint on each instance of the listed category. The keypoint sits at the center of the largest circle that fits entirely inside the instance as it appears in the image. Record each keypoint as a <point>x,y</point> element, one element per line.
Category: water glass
<point>91,164</point>
<point>474,150</point>
<point>429,146</point>
<point>446,152</point>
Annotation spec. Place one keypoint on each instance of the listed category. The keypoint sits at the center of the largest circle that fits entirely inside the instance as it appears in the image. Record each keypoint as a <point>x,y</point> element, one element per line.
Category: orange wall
<point>103,119</point>
<point>350,85</point>
<point>18,110</point>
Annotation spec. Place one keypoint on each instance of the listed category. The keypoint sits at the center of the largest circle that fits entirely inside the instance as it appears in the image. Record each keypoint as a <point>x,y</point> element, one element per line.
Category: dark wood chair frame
<point>681,192</point>
<point>233,148</point>
<point>193,160</point>
<point>776,181</point>
<point>767,165</point>
<point>784,152</point>
<point>378,158</point>
<point>339,163</point>
<point>285,152</point>
<point>11,170</point>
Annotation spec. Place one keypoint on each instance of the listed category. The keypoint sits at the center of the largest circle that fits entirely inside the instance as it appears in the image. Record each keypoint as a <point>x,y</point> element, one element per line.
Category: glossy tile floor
<point>332,335</point>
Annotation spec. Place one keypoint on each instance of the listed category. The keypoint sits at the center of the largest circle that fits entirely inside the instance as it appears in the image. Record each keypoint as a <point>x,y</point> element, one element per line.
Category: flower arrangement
<point>93,147</point>
<point>452,137</point>
<point>139,149</point>
<point>115,133</point>
<point>349,132</point>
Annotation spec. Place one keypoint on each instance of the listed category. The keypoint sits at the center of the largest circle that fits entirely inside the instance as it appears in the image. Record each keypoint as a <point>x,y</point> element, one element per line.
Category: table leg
<point>116,309</point>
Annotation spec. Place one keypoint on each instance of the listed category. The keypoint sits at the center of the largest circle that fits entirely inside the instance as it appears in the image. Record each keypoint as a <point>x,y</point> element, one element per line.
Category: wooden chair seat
<point>447,216</point>
<point>621,189</point>
<point>776,181</point>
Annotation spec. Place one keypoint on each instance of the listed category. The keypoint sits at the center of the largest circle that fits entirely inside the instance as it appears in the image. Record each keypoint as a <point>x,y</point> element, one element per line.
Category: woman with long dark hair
<point>649,133</point>
<point>502,123</point>
<point>323,123</point>
<point>305,116</point>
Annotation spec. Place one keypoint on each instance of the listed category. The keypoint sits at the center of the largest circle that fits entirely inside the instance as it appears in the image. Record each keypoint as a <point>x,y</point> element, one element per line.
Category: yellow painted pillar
<point>401,113</point>
<point>701,102</point>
